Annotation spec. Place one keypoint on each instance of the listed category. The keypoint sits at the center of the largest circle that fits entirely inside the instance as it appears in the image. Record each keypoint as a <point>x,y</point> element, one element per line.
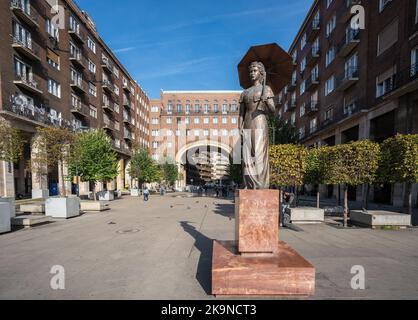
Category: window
<point>330,85</point>
<point>302,65</point>
<point>303,42</point>
<point>384,82</point>
<point>302,132</point>
<point>215,120</point>
<point>155,109</point>
<point>93,112</point>
<point>293,118</point>
<point>313,125</point>
<point>328,115</point>
<point>216,108</point>
<point>76,78</point>
<point>224,108</point>
<point>387,37</point>
<point>92,89</point>
<point>196,133</point>
<point>91,44</point>
<point>294,78</point>
<point>116,71</point>
<point>187,120</point>
<point>234,107</point>
<point>206,120</point>
<point>330,56</point>
<point>331,25</point>
<point>178,132</point>
<point>383,4</point>
<point>197,107</point>
<point>224,120</point>
<point>116,90</point>
<point>188,132</point>
<point>74,25</point>
<point>234,120</point>
<point>414,62</point>
<point>224,132</point>
<point>54,88</point>
<point>155,144</point>
<point>75,101</point>
<point>196,120</point>
<point>155,121</point>
<point>53,59</point>
<point>92,67</point>
<point>169,108</point>
<point>155,133</point>
<point>294,56</point>
<point>206,107</point>
<point>416,12</point>
<point>188,107</point>
<point>315,73</point>
<point>75,51</point>
<point>302,110</point>
<point>315,46</point>
<point>329,3</point>
<point>52,30</point>
<point>215,132</point>
<point>206,132</point>
<point>179,108</point>
<point>178,120</point>
<point>351,67</point>
<point>169,120</point>
<point>302,87</point>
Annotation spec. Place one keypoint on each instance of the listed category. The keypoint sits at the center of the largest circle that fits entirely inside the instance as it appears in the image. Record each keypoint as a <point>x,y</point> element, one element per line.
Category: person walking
<point>146,194</point>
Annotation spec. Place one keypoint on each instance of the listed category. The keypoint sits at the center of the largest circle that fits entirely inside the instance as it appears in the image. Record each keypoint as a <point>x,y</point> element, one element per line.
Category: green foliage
<point>93,158</point>
<point>169,171</point>
<point>399,160</point>
<point>144,168</point>
<point>316,166</point>
<point>11,143</point>
<point>352,164</point>
<point>281,132</point>
<point>288,164</point>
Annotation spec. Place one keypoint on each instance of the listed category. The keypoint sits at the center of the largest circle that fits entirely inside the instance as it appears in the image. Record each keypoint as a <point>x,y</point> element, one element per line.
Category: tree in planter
<point>169,171</point>
<point>287,165</point>
<point>93,158</point>
<point>11,143</point>
<point>316,169</point>
<point>144,168</point>
<point>53,145</point>
<point>351,164</point>
<point>399,163</point>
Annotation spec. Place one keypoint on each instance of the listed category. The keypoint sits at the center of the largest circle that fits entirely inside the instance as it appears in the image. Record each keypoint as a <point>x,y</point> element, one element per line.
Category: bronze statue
<point>255,103</point>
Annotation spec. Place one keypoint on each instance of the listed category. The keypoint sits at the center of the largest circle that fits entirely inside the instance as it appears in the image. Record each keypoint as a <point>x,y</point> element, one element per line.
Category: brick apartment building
<point>63,77</point>
<point>202,125</point>
<point>350,84</point>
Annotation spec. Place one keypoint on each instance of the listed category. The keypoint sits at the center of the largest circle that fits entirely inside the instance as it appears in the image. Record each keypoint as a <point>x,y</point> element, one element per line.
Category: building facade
<point>63,74</point>
<point>354,83</point>
<point>196,129</point>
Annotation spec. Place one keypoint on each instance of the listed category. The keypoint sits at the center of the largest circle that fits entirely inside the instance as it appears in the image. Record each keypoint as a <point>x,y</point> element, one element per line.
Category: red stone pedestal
<point>257,263</point>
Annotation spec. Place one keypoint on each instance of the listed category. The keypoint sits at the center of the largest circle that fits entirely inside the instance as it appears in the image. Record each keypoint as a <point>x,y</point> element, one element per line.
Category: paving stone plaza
<point>162,250</point>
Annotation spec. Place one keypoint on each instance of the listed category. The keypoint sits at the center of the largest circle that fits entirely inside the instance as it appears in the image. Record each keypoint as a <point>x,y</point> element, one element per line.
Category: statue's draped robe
<point>255,155</point>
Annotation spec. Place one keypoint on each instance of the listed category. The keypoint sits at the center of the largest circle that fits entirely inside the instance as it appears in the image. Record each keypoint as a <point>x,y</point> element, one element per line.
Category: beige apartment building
<point>63,77</point>
<point>350,84</point>
<point>196,129</point>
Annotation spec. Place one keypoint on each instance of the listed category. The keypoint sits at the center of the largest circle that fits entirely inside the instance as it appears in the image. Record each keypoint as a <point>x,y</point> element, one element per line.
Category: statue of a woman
<point>255,103</point>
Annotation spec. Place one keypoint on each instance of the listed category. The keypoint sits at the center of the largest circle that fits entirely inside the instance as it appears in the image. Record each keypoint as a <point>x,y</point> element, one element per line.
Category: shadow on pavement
<point>225,209</point>
<point>205,246</point>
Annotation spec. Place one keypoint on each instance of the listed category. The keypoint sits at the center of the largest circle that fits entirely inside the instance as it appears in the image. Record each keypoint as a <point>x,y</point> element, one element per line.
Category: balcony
<point>77,85</point>
<point>311,107</point>
<point>348,78</point>
<point>313,56</point>
<point>108,125</point>
<point>404,82</point>
<point>313,29</point>
<point>77,35</point>
<point>77,60</point>
<point>127,135</point>
<point>108,107</point>
<point>26,48</point>
<point>349,111</point>
<point>312,83</point>
<point>344,12</point>
<point>24,13</point>
<point>107,86</point>
<point>127,103</point>
<point>350,41</point>
<point>126,87</point>
<point>27,83</point>
<point>106,65</point>
<point>80,110</point>
<point>127,118</point>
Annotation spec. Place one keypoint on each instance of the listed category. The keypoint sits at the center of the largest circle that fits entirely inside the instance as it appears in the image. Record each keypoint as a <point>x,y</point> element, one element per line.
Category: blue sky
<point>191,45</point>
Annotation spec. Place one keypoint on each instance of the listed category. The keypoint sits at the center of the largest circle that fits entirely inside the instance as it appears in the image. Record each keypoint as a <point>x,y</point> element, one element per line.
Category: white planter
<point>135,192</point>
<point>106,195</point>
<point>92,206</point>
<point>5,224</point>
<point>118,194</point>
<point>40,194</point>
<point>12,203</point>
<point>62,207</point>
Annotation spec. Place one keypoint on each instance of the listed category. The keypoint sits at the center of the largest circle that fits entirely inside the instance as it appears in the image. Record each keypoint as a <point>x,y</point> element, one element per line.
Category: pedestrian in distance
<point>146,194</point>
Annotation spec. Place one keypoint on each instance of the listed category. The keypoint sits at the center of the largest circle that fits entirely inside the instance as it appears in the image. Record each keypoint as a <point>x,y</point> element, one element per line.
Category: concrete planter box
<point>40,194</point>
<point>106,195</point>
<point>306,215</point>
<point>62,207</point>
<point>94,206</point>
<point>135,192</point>
<point>12,203</point>
<point>118,194</point>
<point>380,218</point>
<point>34,208</point>
<point>5,219</point>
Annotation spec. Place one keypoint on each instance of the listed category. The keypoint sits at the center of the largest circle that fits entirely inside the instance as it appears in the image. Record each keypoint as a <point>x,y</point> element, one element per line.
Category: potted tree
<point>143,168</point>
<point>53,145</point>
<point>11,148</point>
<point>93,160</point>
<point>170,172</point>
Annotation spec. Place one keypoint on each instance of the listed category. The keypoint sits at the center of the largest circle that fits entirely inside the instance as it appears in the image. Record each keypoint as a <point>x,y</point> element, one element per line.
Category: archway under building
<point>204,162</point>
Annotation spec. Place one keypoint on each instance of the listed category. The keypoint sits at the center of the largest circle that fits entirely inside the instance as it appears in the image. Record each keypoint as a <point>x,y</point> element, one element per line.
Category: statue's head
<point>257,71</point>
